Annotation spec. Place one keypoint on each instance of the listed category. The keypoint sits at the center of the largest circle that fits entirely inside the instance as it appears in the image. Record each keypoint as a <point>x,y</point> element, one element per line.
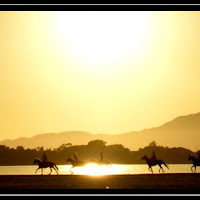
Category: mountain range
<point>183,131</point>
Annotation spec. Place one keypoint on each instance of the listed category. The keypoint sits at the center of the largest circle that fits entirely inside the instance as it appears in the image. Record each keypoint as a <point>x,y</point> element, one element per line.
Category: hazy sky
<point>100,72</point>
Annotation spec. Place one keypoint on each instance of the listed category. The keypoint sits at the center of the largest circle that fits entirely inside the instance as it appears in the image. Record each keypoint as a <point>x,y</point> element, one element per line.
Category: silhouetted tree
<point>115,153</point>
<point>64,147</point>
<point>97,146</point>
<point>97,143</point>
<point>40,148</point>
<point>20,148</point>
<point>153,144</point>
<point>3,148</point>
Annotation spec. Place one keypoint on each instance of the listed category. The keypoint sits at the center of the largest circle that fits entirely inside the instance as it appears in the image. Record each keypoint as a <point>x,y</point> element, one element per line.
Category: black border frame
<point>99,7</point>
<point>73,192</point>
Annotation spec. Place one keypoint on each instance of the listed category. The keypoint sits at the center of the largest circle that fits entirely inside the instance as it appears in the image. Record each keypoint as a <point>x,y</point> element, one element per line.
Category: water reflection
<point>95,170</point>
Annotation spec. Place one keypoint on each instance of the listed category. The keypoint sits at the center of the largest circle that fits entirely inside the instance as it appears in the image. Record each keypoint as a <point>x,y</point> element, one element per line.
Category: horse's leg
<point>36,170</point>
<point>192,168</point>
<point>161,168</point>
<point>55,170</point>
<point>195,169</point>
<point>50,171</point>
<point>42,171</point>
<point>71,170</point>
<point>150,169</point>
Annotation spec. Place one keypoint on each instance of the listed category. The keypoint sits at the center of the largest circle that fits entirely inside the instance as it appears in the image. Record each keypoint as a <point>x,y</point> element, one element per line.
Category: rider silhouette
<point>101,156</point>
<point>44,157</point>
<point>153,158</point>
<point>199,155</point>
<point>75,156</point>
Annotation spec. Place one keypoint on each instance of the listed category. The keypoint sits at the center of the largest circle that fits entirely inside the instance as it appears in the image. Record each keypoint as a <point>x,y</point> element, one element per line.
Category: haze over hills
<point>183,131</point>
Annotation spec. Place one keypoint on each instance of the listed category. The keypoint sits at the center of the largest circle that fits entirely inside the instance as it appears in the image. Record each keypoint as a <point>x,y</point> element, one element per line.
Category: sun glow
<point>96,170</point>
<point>102,36</point>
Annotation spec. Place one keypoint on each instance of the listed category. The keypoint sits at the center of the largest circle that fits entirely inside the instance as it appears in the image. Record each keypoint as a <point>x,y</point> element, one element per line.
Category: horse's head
<point>144,157</point>
<point>191,157</point>
<point>69,160</point>
<point>36,161</point>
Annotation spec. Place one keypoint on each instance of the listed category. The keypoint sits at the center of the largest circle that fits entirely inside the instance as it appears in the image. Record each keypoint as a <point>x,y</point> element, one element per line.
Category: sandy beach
<point>156,183</point>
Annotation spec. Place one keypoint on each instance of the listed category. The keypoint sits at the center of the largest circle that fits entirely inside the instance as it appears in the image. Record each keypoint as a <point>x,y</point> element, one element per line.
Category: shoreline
<point>150,183</point>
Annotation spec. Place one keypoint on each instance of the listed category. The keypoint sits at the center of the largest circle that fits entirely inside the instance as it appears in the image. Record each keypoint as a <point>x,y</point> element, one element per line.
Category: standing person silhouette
<point>44,157</point>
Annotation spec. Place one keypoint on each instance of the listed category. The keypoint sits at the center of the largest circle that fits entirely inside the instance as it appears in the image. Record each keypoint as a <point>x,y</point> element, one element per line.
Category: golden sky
<point>100,72</point>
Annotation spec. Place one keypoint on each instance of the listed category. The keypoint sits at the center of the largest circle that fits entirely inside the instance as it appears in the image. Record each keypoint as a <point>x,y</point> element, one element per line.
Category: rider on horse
<point>75,156</point>
<point>44,157</point>
<point>101,156</point>
<point>199,155</point>
<point>153,158</point>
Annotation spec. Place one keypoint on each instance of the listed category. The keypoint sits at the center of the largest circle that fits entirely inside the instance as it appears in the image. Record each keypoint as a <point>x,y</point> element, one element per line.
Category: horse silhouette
<point>101,161</point>
<point>152,163</point>
<point>75,163</point>
<point>42,165</point>
<point>196,162</point>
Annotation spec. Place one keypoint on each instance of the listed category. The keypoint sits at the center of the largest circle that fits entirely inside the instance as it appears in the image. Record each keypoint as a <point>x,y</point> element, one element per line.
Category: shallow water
<point>92,169</point>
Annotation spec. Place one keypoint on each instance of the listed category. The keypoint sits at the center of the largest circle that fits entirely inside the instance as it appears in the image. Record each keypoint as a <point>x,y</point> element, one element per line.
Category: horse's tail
<point>165,164</point>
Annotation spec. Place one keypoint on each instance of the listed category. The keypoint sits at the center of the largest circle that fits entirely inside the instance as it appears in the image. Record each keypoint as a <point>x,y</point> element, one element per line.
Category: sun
<point>101,36</point>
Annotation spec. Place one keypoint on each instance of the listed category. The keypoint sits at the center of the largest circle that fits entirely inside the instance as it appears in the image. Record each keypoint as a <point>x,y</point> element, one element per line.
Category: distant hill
<point>183,131</point>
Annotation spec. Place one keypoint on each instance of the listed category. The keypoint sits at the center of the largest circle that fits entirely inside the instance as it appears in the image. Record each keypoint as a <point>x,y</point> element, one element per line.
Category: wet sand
<point>157,183</point>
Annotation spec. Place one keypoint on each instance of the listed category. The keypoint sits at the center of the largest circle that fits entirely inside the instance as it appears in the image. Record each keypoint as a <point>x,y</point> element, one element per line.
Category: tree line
<point>116,153</point>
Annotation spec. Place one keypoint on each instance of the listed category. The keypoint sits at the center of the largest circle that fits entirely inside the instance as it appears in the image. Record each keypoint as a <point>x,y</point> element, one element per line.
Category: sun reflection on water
<point>96,170</point>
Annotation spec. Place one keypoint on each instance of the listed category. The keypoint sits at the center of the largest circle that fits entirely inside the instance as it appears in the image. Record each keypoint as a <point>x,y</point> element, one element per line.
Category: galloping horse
<point>42,165</point>
<point>196,162</point>
<point>75,163</point>
<point>100,162</point>
<point>152,163</point>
